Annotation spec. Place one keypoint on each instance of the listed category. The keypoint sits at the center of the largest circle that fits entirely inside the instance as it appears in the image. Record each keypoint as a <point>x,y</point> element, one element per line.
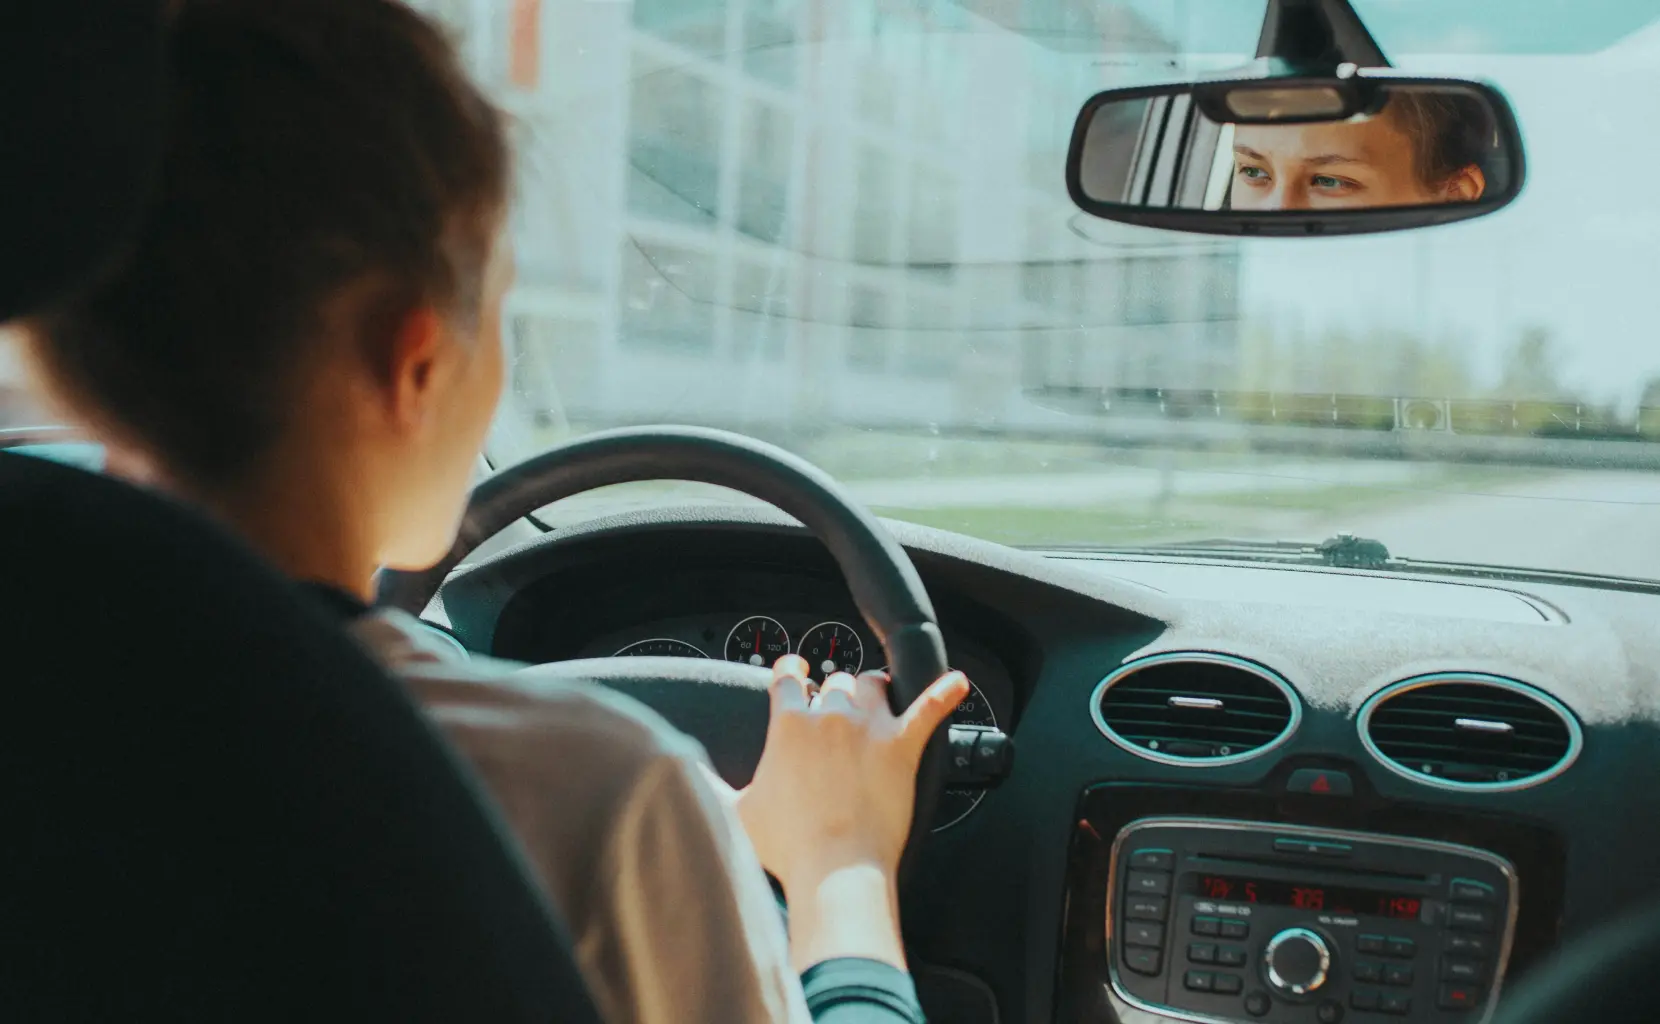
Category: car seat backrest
<point>214,806</point>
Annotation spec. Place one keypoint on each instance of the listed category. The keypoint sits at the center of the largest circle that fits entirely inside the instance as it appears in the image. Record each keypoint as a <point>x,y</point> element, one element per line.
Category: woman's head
<point>1423,147</point>
<point>317,287</point>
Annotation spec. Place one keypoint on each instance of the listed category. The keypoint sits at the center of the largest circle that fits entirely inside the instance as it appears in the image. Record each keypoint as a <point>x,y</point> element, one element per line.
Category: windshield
<point>841,225</point>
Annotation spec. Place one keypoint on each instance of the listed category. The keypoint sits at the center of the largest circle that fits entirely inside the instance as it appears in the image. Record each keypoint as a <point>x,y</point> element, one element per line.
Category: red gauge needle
<point>757,641</point>
<point>832,655</point>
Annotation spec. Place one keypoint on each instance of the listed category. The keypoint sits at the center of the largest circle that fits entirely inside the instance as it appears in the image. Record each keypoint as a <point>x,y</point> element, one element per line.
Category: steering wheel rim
<point>885,586</point>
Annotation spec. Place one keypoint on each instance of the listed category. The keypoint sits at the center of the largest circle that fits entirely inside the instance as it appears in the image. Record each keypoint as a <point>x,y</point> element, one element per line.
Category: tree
<point>1531,370</point>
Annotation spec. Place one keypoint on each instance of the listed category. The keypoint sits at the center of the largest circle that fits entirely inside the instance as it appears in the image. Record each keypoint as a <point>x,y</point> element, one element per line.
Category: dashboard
<point>1240,792</point>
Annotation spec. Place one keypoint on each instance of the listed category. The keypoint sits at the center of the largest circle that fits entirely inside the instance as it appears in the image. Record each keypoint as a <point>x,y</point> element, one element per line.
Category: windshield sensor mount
<point>1317,36</point>
<point>1353,552</point>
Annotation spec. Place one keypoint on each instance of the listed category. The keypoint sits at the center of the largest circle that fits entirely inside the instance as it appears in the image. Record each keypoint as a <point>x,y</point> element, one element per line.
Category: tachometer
<point>831,647</point>
<point>659,647</point>
<point>757,640</point>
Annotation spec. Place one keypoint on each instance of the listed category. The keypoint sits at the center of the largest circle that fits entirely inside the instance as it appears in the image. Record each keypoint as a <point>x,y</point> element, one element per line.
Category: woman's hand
<point>830,806</point>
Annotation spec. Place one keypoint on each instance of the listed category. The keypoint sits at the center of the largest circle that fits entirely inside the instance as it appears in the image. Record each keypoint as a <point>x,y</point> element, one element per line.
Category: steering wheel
<point>1607,977</point>
<point>705,697</point>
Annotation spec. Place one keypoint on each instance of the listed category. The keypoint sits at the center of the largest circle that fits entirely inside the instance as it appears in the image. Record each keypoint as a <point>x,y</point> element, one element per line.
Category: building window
<point>874,209</point>
<point>674,146</point>
<point>698,25</point>
<point>764,181</point>
<point>867,340</point>
<point>769,46</point>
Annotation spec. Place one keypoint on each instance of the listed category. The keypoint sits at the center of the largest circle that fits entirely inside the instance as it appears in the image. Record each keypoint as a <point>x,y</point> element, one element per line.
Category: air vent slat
<point>1274,718</point>
<point>1134,708</point>
<point>1511,735</point>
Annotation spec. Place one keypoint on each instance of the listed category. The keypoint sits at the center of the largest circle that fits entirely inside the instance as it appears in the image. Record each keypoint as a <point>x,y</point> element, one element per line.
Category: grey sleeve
<point>695,931</point>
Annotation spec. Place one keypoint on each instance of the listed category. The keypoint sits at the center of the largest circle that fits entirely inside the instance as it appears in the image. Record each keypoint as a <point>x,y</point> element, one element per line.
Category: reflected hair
<point>1448,133</point>
<point>314,146</point>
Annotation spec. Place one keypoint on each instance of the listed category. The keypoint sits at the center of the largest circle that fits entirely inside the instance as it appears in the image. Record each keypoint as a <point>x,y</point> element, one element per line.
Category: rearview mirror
<point>1296,156</point>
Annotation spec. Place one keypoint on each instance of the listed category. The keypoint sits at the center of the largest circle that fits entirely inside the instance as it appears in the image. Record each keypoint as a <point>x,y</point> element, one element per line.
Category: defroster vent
<point>1196,709</point>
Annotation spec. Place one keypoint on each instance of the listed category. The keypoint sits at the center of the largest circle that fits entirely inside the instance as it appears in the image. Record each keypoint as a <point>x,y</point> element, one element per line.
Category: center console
<point>1232,920</point>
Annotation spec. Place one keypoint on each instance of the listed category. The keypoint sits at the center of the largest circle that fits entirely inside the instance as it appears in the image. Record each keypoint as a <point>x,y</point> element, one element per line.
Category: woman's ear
<point>409,369</point>
<point>1465,186</point>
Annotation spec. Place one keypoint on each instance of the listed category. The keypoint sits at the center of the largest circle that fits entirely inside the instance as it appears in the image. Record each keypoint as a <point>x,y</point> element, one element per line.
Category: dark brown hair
<point>313,145</point>
<point>1448,132</point>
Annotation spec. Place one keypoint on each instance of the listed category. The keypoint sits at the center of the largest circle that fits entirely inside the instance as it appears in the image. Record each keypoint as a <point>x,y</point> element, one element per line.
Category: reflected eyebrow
<point>1319,161</point>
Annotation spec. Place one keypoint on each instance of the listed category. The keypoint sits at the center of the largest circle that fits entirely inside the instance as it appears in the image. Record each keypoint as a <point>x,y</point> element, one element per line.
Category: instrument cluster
<point>829,645</point>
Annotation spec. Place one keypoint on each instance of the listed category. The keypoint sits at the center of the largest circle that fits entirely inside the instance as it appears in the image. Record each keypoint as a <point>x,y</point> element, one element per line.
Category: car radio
<point>1211,920</point>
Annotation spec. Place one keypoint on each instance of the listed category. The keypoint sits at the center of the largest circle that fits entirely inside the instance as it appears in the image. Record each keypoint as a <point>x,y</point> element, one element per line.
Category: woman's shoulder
<point>572,719</point>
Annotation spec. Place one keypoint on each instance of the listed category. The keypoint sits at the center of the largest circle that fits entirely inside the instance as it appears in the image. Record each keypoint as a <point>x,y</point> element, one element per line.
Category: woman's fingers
<point>789,684</point>
<point>931,709</point>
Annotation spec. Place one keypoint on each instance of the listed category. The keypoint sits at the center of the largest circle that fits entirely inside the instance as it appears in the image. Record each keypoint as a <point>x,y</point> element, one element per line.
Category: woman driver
<point>305,340</point>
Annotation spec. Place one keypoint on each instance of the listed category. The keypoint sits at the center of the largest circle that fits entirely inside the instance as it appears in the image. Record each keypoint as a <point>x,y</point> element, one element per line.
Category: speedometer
<point>757,640</point>
<point>659,648</point>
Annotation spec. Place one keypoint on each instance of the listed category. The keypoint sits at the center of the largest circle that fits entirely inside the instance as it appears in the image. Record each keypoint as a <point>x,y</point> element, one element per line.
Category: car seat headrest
<point>83,88</point>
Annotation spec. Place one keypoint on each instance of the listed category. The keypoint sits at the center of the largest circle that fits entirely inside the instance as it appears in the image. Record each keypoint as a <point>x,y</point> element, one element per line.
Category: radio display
<point>1336,899</point>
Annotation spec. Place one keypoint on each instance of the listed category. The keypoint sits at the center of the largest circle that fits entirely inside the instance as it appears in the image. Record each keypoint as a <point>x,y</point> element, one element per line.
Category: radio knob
<point>1297,961</point>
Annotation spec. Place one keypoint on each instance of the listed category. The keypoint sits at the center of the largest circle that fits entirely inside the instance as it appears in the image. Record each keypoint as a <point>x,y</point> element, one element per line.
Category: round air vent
<point>1466,730</point>
<point>1195,709</point>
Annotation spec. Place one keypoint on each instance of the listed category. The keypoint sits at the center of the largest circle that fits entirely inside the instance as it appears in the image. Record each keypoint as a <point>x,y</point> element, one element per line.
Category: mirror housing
<point>1280,154</point>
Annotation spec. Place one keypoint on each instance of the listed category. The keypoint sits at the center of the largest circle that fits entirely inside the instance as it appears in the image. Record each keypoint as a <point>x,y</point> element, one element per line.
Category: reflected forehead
<point>1369,141</point>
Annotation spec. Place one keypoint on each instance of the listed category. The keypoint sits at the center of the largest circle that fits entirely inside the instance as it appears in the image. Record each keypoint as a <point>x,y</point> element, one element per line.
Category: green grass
<point>1029,527</point>
<point>1290,513</point>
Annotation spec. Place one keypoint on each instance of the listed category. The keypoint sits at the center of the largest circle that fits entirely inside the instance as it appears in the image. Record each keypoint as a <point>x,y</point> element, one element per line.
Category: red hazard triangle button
<point>1321,782</point>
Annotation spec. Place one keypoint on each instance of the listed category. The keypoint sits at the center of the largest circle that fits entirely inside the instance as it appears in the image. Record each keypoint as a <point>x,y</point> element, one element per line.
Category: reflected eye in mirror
<point>1300,156</point>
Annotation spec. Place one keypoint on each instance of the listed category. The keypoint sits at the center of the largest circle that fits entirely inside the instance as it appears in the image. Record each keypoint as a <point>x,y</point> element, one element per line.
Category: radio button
<point>1368,970</point>
<point>1329,1012</point>
<point>1232,929</point>
<point>1457,997</point>
<point>1230,956</point>
<point>1363,999</point>
<point>1455,969</point>
<point>1202,952</point>
<point>1199,981</point>
<point>1470,891</point>
<point>1142,961</point>
<point>1207,926</point>
<point>1153,860</point>
<point>1473,945</point>
<point>1144,933</point>
<point>1402,948</point>
<point>1399,1005</point>
<point>1148,883</point>
<point>1297,961</point>
<point>1399,975</point>
<point>1229,984</point>
<point>1257,1004</point>
<point>1370,943</point>
<point>1469,919</point>
<point>1145,908</point>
